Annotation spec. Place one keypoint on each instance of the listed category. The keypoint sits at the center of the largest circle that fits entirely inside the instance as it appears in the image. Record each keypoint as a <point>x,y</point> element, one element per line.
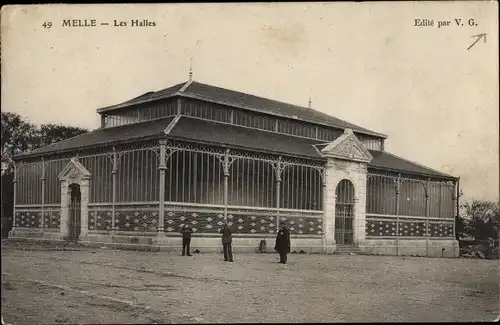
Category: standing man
<point>227,243</point>
<point>186,232</point>
<point>283,243</point>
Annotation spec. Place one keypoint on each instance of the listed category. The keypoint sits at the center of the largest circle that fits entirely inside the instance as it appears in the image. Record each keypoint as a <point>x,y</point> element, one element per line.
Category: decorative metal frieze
<point>303,162</point>
<point>28,218</point>
<point>408,228</point>
<point>200,222</point>
<point>240,223</point>
<point>100,219</point>
<point>253,155</point>
<point>184,146</point>
<point>303,225</point>
<point>52,218</point>
<point>132,146</point>
<point>136,220</point>
<point>141,218</point>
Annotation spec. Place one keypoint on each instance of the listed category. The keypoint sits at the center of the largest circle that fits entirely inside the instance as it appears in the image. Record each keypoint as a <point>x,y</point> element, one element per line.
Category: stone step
<point>346,249</point>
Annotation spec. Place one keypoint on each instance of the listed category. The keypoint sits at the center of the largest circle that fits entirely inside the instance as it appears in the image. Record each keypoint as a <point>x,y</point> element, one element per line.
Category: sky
<point>366,63</point>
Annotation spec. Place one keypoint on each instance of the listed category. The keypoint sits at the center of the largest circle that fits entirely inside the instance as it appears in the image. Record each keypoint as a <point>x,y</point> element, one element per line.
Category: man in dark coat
<point>186,232</point>
<point>227,243</point>
<point>283,243</point>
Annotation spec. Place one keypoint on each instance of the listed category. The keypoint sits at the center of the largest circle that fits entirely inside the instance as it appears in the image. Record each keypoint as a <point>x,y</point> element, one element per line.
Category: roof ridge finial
<point>191,69</point>
<point>310,104</point>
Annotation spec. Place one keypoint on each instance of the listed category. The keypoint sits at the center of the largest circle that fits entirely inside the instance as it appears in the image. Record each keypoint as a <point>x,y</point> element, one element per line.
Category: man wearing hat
<point>186,232</point>
<point>227,243</point>
<point>283,243</point>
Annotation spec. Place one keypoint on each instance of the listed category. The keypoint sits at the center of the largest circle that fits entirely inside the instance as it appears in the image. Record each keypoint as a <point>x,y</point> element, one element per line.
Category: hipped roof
<point>205,92</point>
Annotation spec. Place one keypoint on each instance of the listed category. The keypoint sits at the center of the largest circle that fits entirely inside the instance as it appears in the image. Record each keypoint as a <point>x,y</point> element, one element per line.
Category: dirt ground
<point>47,285</point>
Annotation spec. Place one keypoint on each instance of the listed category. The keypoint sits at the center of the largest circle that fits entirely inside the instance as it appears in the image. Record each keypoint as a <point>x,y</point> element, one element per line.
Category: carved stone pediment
<point>347,147</point>
<point>74,170</point>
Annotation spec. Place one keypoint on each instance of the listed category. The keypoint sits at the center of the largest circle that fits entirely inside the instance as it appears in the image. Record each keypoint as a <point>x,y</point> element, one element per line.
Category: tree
<point>480,218</point>
<point>19,136</point>
<point>52,133</point>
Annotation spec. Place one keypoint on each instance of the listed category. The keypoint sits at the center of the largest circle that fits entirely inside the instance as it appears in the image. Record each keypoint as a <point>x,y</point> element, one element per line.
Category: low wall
<point>415,247</point>
<point>204,243</point>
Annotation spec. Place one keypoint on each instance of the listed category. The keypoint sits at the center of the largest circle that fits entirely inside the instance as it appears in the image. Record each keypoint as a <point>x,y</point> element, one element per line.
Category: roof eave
<point>406,172</point>
<point>124,105</point>
<point>100,145</point>
<point>220,144</point>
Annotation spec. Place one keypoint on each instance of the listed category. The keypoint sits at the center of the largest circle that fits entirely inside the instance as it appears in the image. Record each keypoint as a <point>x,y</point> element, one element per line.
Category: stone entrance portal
<point>345,191</point>
<point>75,186</point>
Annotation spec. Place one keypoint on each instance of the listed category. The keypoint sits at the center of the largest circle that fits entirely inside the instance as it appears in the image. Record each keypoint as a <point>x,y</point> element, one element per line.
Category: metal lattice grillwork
<point>344,213</point>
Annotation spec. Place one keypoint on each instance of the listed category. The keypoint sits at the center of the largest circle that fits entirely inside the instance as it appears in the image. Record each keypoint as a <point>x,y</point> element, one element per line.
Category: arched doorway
<point>74,217</point>
<point>344,213</point>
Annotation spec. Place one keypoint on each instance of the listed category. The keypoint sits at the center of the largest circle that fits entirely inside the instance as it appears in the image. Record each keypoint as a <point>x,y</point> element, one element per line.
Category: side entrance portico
<point>345,191</point>
<point>75,186</point>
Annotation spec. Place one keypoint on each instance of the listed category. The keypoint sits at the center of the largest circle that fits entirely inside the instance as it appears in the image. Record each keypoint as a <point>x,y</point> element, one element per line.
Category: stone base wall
<point>208,243</point>
<point>420,247</point>
<point>205,243</point>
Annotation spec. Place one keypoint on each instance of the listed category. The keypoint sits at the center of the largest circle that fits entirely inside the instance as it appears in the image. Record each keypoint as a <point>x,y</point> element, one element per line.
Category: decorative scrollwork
<point>183,146</point>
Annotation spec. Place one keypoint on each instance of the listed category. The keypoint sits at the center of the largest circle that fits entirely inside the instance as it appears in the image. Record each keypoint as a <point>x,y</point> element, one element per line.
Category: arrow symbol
<point>479,36</point>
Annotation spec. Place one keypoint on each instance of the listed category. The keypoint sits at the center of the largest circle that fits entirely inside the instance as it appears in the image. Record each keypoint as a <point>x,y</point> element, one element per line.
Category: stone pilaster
<point>84,204</point>
<point>329,197</point>
<point>360,203</point>
<point>65,201</point>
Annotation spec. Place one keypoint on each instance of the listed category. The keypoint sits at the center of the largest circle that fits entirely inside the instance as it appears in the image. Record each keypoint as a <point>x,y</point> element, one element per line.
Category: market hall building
<point>201,155</point>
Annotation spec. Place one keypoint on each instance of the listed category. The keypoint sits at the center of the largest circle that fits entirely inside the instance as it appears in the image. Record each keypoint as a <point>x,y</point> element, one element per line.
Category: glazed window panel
<point>194,177</point>
<point>254,120</point>
<point>251,183</point>
<point>441,203</point>
<point>412,198</point>
<point>328,134</point>
<point>448,204</point>
<point>297,128</point>
<point>137,176</point>
<point>206,111</point>
<point>100,168</point>
<point>301,188</point>
<point>157,109</point>
<point>52,182</point>
<point>29,184</point>
<point>370,143</point>
<point>381,195</point>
